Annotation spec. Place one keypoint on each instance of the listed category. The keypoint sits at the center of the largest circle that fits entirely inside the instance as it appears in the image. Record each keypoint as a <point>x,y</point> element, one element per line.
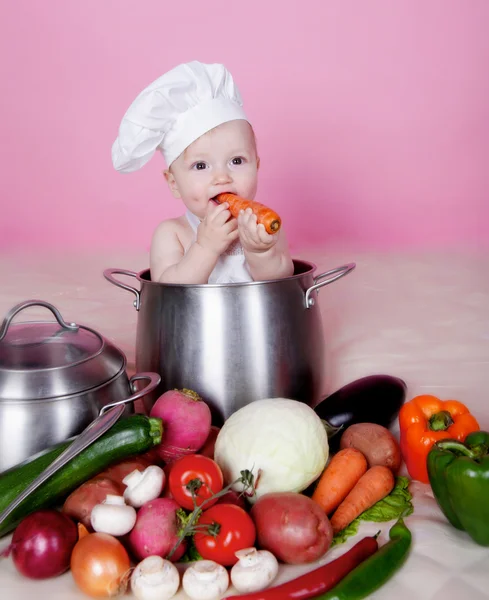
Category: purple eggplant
<point>372,399</point>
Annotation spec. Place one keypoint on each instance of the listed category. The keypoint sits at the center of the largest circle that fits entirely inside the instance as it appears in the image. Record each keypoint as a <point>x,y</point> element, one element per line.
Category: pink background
<point>372,117</point>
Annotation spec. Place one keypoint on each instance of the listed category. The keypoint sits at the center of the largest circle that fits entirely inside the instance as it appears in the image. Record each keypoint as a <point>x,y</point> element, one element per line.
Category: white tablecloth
<point>423,317</point>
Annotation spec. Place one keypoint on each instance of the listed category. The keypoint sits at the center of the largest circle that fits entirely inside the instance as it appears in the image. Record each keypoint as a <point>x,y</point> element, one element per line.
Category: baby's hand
<point>253,236</point>
<point>218,229</point>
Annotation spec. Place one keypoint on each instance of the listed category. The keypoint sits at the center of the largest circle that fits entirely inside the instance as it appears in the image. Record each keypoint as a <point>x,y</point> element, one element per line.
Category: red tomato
<point>233,528</point>
<point>195,466</point>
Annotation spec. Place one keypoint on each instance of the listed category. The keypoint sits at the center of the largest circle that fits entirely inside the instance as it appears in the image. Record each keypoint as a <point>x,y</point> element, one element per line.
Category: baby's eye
<point>199,166</point>
<point>237,160</point>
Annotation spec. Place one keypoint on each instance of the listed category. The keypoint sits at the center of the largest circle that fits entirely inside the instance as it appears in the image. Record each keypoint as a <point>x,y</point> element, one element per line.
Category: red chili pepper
<point>320,580</point>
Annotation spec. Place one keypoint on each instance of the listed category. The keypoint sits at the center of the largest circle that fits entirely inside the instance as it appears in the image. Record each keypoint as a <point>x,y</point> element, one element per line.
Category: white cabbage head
<point>282,442</point>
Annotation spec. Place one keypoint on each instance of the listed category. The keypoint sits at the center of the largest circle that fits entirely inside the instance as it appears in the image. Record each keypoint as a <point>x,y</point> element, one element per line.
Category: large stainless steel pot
<point>54,379</point>
<point>233,343</point>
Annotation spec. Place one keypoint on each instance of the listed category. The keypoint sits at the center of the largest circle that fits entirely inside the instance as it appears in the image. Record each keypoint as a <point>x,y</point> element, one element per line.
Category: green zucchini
<point>127,437</point>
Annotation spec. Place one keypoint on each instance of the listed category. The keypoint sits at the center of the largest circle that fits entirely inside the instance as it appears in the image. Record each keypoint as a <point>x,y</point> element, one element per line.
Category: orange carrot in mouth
<point>266,216</point>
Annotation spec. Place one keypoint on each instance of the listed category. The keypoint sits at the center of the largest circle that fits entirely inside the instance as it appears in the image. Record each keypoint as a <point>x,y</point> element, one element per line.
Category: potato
<point>81,501</point>
<point>375,442</point>
<point>118,471</point>
<point>292,527</point>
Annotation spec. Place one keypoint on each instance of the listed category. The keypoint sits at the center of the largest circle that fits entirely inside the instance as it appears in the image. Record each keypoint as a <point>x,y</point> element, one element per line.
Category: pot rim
<point>50,399</point>
<point>105,343</point>
<point>310,269</point>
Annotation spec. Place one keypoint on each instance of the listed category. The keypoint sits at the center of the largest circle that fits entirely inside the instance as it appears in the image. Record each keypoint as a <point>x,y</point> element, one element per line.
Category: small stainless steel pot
<point>233,343</point>
<point>54,379</point>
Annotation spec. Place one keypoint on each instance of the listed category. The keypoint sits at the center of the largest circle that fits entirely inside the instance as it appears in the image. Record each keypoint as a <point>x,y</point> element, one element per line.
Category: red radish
<point>156,530</point>
<point>42,544</point>
<point>186,423</point>
<point>152,457</point>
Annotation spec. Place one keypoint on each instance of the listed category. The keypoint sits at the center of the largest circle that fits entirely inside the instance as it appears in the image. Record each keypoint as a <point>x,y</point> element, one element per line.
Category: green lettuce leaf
<point>397,503</point>
<point>191,554</point>
<point>344,534</point>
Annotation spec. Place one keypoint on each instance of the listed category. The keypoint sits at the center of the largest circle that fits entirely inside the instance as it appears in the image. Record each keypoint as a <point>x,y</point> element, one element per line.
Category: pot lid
<point>42,360</point>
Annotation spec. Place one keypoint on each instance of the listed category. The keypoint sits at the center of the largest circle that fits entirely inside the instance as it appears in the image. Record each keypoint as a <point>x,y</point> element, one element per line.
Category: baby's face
<point>222,160</point>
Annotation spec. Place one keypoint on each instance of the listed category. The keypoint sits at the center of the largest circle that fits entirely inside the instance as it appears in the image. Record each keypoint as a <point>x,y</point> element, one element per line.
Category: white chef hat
<point>174,111</point>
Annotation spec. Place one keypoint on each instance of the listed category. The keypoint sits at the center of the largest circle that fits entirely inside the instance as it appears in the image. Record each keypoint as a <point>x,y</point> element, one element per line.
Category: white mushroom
<point>113,516</point>
<point>155,578</point>
<point>143,487</point>
<point>254,571</point>
<point>205,580</point>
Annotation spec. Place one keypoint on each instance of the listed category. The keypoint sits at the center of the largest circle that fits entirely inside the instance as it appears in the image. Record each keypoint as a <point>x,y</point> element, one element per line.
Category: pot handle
<point>332,275</point>
<point>109,275</point>
<point>16,309</point>
<point>153,381</point>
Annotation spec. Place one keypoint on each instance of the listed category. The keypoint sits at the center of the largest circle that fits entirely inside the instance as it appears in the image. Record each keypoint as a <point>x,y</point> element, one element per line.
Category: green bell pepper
<point>459,477</point>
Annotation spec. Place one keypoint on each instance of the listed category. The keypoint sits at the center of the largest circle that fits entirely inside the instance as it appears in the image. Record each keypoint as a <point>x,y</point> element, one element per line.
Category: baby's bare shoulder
<point>167,246</point>
<point>171,230</point>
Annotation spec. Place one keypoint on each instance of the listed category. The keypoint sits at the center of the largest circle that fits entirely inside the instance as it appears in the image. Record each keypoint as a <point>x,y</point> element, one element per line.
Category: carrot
<point>374,485</point>
<point>338,478</point>
<point>266,216</point>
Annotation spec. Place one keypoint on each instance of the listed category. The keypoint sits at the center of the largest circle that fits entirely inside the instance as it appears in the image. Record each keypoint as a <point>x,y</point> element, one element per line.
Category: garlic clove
<point>205,580</point>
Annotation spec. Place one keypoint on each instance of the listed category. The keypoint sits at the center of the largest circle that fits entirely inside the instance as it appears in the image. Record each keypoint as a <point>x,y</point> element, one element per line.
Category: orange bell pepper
<point>423,421</point>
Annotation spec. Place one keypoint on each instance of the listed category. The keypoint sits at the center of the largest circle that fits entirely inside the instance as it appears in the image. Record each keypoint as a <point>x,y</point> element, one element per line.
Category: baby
<point>193,114</point>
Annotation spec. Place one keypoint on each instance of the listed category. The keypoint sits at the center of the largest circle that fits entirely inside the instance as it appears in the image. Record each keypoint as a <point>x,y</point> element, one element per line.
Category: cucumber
<point>127,437</point>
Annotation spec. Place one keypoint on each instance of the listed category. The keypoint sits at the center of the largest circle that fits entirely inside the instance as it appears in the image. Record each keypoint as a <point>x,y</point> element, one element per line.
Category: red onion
<point>42,544</point>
